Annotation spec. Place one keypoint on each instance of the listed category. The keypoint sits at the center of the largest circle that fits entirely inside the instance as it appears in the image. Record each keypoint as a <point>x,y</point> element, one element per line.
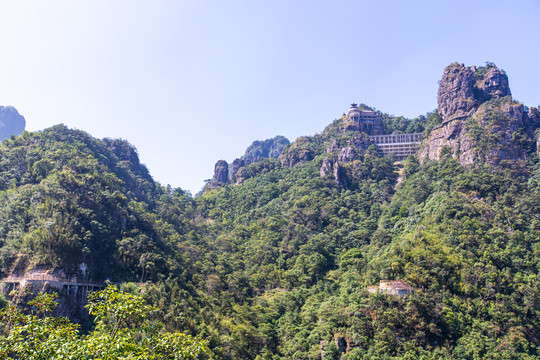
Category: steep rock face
<point>326,167</point>
<point>532,120</point>
<point>221,176</point>
<point>221,172</point>
<point>339,175</point>
<point>344,159</point>
<point>462,89</point>
<point>236,171</point>
<point>300,157</point>
<point>493,83</point>
<point>493,128</point>
<point>236,165</point>
<point>538,145</point>
<point>240,176</point>
<point>453,135</point>
<point>346,154</point>
<point>336,170</point>
<point>455,95</point>
<point>480,119</point>
<point>11,122</point>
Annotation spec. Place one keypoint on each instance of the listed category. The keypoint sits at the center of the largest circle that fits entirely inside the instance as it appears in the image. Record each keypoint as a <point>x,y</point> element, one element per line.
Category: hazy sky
<point>192,82</point>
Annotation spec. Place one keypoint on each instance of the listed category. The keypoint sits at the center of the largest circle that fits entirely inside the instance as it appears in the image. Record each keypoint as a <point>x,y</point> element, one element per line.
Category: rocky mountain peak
<point>221,176</point>
<point>221,172</point>
<point>455,95</point>
<point>479,118</point>
<point>257,151</point>
<point>491,83</point>
<point>462,89</point>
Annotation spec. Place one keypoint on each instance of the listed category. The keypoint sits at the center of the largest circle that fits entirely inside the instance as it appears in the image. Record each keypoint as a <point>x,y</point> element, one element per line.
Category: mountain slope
<point>69,199</point>
<point>283,264</point>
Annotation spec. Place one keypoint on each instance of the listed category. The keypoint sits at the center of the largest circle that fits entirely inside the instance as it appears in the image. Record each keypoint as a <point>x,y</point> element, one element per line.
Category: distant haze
<point>11,122</point>
<point>192,82</point>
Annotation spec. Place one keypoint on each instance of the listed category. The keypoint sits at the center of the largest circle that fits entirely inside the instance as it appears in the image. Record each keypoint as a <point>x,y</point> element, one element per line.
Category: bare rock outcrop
<point>480,120</point>
<point>240,176</point>
<point>326,167</point>
<point>492,84</point>
<point>532,120</point>
<point>347,154</point>
<point>221,176</point>
<point>235,176</point>
<point>344,161</point>
<point>236,165</point>
<point>462,89</point>
<point>221,172</point>
<point>334,170</point>
<point>538,145</point>
<point>455,95</point>
<point>339,176</point>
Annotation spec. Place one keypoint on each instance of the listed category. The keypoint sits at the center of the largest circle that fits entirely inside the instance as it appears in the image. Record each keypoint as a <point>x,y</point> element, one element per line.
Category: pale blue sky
<point>192,82</point>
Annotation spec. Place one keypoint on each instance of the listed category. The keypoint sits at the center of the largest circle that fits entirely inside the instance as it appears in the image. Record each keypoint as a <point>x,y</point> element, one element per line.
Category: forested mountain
<point>280,263</point>
<point>67,199</point>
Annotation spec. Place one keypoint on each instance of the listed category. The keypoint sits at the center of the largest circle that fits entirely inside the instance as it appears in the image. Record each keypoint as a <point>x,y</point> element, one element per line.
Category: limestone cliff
<point>480,121</point>
<point>11,122</point>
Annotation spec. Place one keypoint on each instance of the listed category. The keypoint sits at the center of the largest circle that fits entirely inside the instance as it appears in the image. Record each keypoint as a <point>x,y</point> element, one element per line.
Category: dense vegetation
<point>123,330</point>
<point>270,268</point>
<point>66,198</point>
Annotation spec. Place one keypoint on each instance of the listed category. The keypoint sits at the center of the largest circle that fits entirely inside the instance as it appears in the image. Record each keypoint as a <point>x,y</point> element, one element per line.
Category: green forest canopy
<point>270,268</point>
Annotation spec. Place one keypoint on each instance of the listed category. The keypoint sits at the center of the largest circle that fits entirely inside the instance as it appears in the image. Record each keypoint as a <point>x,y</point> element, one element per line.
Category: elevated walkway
<point>43,282</point>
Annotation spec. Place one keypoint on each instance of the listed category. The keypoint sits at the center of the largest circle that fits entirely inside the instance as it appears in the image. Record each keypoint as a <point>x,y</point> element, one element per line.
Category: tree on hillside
<point>123,330</point>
